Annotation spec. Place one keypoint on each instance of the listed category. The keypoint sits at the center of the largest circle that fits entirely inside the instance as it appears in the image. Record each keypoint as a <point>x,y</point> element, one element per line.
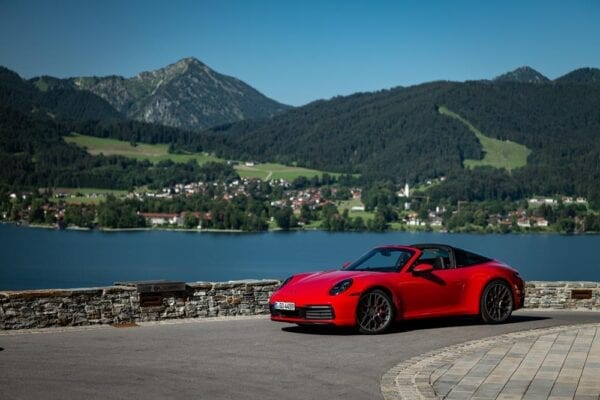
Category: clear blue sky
<point>296,52</point>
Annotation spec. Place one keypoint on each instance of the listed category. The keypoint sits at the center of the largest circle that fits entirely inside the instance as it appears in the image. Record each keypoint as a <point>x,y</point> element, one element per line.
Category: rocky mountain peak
<point>187,61</point>
<point>186,94</point>
<point>178,67</point>
<point>523,74</point>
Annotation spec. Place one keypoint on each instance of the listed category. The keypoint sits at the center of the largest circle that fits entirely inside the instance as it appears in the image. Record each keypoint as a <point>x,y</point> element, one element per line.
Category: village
<point>410,210</point>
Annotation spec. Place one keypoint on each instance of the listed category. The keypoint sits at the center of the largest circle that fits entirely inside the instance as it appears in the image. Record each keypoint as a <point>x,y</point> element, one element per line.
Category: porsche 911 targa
<point>392,283</point>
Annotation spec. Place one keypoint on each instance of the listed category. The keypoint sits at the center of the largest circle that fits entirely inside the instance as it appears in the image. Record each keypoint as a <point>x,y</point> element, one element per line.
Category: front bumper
<point>341,311</point>
<point>316,314</point>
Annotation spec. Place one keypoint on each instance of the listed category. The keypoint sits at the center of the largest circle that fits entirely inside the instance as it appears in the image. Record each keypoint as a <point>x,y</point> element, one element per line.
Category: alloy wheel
<point>497,302</point>
<point>375,312</point>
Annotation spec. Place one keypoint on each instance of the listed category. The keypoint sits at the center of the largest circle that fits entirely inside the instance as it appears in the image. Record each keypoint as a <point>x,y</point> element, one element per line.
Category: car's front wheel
<point>375,313</point>
<point>496,302</point>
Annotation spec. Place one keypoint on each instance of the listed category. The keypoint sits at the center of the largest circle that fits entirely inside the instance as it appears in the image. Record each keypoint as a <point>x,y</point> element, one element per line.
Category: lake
<point>44,258</point>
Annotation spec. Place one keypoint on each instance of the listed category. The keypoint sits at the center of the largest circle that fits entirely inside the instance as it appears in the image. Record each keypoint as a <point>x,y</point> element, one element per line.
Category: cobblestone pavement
<point>552,363</point>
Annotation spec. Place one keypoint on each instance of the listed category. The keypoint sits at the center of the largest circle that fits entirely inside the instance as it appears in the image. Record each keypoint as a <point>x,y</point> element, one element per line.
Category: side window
<point>466,259</point>
<point>436,257</point>
<point>461,258</point>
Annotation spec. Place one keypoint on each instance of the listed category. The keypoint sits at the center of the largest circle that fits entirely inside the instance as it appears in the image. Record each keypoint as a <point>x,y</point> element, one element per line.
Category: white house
<point>523,223</point>
<point>161,218</point>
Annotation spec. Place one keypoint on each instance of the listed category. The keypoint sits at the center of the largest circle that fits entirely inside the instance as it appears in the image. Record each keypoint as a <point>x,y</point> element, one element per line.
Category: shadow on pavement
<point>434,323</point>
<point>320,330</point>
<point>406,326</point>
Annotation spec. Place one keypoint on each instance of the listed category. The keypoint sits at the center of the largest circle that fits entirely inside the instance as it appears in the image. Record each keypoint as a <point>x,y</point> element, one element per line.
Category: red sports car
<point>392,283</point>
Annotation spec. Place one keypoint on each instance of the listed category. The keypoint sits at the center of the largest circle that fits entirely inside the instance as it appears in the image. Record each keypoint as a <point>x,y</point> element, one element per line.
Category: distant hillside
<point>543,137</point>
<point>522,75</point>
<point>186,94</point>
<point>395,132</point>
<point>582,76</point>
<point>502,154</point>
<point>33,154</point>
<point>399,134</point>
<point>79,110</point>
<point>62,103</point>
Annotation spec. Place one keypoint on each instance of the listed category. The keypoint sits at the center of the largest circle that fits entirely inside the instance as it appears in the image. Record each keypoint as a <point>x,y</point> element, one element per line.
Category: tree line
<point>33,154</point>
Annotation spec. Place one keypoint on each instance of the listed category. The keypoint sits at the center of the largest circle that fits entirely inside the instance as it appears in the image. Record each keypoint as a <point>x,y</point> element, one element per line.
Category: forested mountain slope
<point>62,103</point>
<point>399,134</point>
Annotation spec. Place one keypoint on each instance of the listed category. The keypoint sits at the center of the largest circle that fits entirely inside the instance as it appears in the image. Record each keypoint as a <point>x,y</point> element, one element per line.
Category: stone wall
<point>563,295</point>
<point>123,304</point>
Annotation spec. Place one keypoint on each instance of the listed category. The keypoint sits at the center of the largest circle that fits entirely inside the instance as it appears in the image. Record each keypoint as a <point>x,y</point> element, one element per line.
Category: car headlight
<point>340,287</point>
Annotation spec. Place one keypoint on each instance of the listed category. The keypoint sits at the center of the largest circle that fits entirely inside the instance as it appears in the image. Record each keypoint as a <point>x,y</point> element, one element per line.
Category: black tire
<point>496,303</point>
<point>375,312</point>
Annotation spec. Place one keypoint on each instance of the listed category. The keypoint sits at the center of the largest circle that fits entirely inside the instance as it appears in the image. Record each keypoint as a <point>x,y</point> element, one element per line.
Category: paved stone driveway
<point>555,363</point>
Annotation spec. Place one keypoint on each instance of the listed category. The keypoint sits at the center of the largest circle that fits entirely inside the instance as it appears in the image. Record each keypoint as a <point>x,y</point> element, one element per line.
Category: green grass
<point>159,152</point>
<point>276,171</point>
<point>314,224</point>
<point>88,191</point>
<point>151,152</point>
<point>80,195</point>
<point>423,187</point>
<point>79,200</point>
<point>498,154</point>
<point>348,204</point>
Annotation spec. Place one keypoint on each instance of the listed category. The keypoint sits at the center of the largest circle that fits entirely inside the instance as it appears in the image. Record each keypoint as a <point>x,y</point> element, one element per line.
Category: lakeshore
<point>70,258</point>
<point>409,229</point>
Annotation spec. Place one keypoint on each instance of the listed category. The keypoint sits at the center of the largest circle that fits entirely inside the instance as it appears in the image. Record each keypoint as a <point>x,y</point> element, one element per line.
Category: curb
<point>413,378</point>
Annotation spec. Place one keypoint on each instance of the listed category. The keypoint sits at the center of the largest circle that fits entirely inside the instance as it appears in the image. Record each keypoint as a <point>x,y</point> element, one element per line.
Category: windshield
<point>382,259</point>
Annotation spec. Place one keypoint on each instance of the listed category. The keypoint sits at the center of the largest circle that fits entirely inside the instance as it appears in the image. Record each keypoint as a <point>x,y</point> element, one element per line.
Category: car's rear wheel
<point>375,313</point>
<point>496,302</point>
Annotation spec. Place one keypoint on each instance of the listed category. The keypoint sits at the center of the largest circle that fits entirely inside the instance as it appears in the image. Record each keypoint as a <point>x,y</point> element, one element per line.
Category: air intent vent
<point>319,312</point>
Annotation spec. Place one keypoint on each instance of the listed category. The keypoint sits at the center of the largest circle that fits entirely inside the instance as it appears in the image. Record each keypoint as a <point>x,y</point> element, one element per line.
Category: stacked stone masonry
<point>563,295</point>
<point>121,304</point>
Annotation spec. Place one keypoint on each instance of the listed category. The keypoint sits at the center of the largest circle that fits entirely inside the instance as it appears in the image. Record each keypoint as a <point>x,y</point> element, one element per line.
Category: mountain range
<point>187,94</point>
<point>582,76</point>
<point>396,135</point>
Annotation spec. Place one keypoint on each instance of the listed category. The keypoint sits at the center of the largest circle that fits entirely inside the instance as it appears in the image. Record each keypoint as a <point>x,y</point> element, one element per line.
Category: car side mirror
<point>346,264</point>
<point>422,268</point>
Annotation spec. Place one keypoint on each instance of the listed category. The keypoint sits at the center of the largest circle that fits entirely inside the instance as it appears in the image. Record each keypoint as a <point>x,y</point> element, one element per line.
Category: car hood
<point>318,281</point>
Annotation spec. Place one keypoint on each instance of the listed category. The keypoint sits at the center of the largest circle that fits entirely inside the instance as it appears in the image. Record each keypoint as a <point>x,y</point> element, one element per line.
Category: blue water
<point>42,258</point>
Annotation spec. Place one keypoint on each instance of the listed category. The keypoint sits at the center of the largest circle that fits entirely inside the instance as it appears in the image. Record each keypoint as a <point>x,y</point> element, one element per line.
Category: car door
<point>435,292</point>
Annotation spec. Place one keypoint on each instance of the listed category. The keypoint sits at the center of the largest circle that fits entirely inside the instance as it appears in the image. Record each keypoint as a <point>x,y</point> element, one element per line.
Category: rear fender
<point>477,300</point>
<point>474,289</point>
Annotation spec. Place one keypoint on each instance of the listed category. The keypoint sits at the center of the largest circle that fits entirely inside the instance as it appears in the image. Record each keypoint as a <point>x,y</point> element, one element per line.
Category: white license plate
<point>281,305</point>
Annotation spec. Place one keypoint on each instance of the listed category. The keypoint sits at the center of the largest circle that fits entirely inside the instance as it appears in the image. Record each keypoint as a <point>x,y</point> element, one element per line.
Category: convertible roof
<point>426,245</point>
